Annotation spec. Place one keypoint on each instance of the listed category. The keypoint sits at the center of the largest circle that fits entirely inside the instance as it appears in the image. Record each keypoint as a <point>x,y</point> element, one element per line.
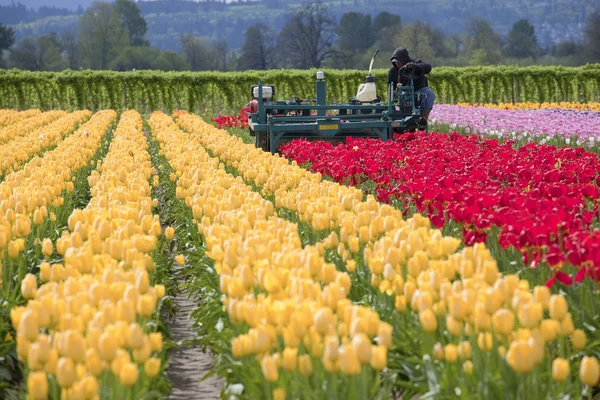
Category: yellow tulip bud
<point>542,295</point>
<point>464,350</point>
<point>558,307</point>
<point>305,365</point>
<point>503,321</point>
<point>549,329</point>
<point>560,369</point>
<point>451,353</point>
<point>180,258</point>
<point>269,369</point>
<point>485,341</point>
<point>361,346</point>
<point>152,367</point>
<point>128,374</point>
<point>65,372</point>
<point>378,357</point>
<point>93,362</point>
<point>47,248</point>
<point>169,233</point>
<point>156,341</point>
<point>37,385</point>
<point>566,326</point>
<point>468,367</point>
<point>290,358</point>
<point>589,371</point>
<point>520,356</point>
<point>578,339</point>
<point>428,321</point>
<point>107,346</point>
<point>145,305</point>
<point>279,394</point>
<point>135,338</point>
<point>384,334</point>
<point>29,287</point>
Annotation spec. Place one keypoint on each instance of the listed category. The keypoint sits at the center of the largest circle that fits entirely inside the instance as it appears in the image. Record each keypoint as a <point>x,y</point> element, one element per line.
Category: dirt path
<point>188,363</point>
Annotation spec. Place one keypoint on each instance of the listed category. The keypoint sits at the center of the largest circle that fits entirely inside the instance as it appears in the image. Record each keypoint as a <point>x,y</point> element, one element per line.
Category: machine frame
<point>277,121</point>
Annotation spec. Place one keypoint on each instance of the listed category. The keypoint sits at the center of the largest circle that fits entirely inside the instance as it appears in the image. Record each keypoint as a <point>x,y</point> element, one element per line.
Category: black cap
<point>370,78</point>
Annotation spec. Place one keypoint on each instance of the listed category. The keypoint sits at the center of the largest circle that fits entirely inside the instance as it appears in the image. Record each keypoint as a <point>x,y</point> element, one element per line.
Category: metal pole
<point>321,96</point>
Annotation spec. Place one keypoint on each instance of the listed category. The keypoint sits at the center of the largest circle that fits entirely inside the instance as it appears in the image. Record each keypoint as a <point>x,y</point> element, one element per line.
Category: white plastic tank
<point>367,92</point>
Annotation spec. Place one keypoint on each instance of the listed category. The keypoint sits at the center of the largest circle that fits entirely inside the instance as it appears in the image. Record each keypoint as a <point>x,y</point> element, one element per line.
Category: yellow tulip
<point>428,321</point>
<point>169,233</point>
<point>65,372</point>
<point>558,307</point>
<point>279,394</point>
<point>578,339</point>
<point>589,371</point>
<point>290,359</point>
<point>152,367</point>
<point>128,374</point>
<point>37,385</point>
<point>560,369</point>
<point>269,369</point>
<point>305,365</point>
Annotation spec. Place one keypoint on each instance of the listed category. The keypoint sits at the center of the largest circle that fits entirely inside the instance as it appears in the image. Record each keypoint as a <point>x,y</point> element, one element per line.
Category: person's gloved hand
<point>409,65</point>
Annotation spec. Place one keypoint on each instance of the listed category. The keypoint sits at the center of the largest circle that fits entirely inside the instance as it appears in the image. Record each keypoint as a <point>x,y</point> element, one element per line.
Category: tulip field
<point>459,264</point>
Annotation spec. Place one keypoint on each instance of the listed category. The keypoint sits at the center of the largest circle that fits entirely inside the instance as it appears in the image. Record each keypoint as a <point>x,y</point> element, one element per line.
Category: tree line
<point>114,36</point>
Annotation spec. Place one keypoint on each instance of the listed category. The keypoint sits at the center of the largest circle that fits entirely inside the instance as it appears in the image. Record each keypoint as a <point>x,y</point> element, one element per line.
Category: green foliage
<point>229,91</point>
<point>522,42</point>
<point>37,54</point>
<point>132,22</point>
<point>592,36</point>
<point>356,35</point>
<point>101,36</point>
<point>307,40</point>
<point>482,43</point>
<point>259,49</point>
<point>7,37</point>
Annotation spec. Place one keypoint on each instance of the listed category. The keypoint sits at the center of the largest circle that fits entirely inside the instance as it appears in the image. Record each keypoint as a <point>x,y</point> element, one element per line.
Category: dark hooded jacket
<point>402,54</point>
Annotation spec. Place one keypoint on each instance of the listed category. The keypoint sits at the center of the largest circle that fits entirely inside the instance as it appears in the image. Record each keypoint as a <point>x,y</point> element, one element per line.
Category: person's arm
<point>422,65</point>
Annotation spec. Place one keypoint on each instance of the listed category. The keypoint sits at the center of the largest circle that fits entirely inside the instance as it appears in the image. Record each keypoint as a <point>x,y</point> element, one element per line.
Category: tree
<point>385,20</point>
<point>592,37</point>
<point>522,42</point>
<point>37,54</point>
<point>138,58</point>
<point>7,39</point>
<point>69,42</point>
<point>101,37</point>
<point>171,61</point>
<point>355,36</point>
<point>197,53</point>
<point>258,49</point>
<point>220,49</point>
<point>306,41</point>
<point>481,42</point>
<point>133,22</point>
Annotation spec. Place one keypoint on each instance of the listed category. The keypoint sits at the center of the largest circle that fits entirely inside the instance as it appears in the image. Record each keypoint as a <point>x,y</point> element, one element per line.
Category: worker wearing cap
<point>400,58</point>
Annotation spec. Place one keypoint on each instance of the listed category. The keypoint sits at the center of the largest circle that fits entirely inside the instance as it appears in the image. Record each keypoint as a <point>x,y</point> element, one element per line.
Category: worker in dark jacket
<point>400,58</point>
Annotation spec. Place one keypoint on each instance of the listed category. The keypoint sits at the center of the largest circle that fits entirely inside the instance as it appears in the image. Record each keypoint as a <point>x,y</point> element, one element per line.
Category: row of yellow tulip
<point>8,117</point>
<point>28,125</point>
<point>87,326</point>
<point>592,106</point>
<point>27,194</point>
<point>460,296</point>
<point>16,152</point>
<point>302,320</point>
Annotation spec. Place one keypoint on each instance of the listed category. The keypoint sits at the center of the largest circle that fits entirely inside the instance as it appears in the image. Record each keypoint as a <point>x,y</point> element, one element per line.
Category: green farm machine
<point>274,122</point>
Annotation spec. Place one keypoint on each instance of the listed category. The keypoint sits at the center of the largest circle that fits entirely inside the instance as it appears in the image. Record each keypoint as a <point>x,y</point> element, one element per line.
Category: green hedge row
<point>228,91</point>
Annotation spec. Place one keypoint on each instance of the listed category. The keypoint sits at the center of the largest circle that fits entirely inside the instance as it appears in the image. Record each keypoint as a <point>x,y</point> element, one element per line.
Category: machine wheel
<point>262,141</point>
